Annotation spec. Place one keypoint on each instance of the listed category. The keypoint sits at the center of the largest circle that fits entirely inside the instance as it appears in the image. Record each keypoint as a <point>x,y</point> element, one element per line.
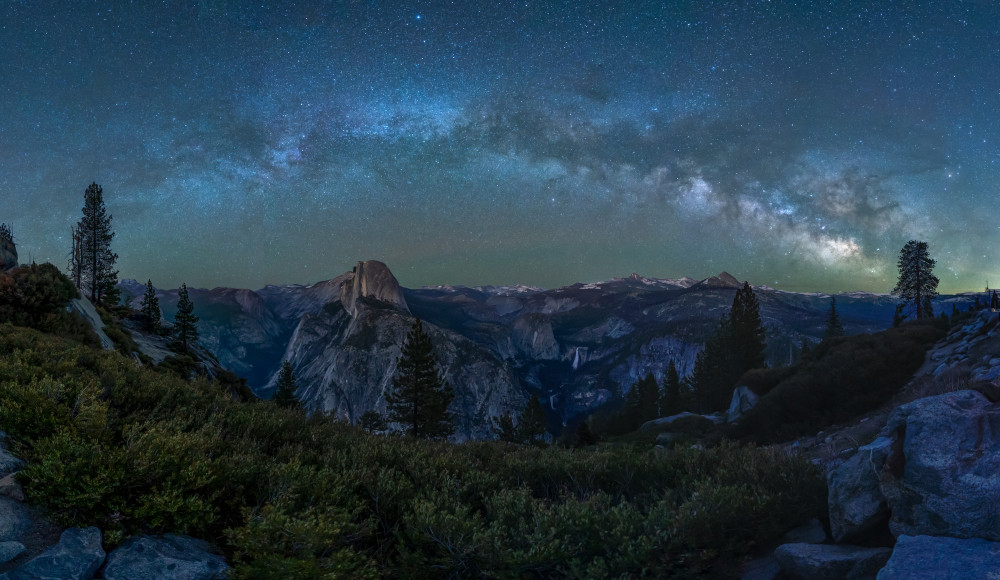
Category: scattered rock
<point>77,556</point>
<point>766,568</point>
<point>945,483</point>
<point>667,439</point>
<point>9,487</point>
<point>685,422</point>
<point>810,533</point>
<point>166,556</point>
<point>14,519</point>
<point>10,550</point>
<point>829,562</point>
<point>743,400</point>
<point>933,557</point>
<point>8,463</point>
<point>857,505</point>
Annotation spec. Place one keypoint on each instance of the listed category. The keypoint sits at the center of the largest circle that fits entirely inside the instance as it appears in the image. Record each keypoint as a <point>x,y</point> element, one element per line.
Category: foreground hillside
<point>132,451</point>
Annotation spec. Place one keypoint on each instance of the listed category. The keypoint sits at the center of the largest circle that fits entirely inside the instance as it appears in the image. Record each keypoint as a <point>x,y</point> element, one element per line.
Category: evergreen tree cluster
<point>736,347</point>
<point>529,429</point>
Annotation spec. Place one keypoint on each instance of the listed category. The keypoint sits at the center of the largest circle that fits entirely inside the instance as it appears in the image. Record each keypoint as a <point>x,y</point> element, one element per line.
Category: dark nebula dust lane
<point>542,143</point>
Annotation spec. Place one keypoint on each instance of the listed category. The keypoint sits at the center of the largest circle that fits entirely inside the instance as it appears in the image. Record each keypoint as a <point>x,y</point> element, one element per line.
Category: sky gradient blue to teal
<point>542,143</point>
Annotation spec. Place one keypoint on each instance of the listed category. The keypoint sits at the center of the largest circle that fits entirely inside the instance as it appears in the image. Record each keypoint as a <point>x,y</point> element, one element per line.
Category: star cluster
<point>531,142</point>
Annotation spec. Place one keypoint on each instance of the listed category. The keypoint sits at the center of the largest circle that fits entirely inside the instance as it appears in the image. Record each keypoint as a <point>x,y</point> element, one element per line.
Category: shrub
<point>840,379</point>
<point>137,451</point>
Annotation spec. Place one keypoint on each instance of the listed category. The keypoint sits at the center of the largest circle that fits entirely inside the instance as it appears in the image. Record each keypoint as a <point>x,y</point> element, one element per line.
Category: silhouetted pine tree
<point>531,428</point>
<point>916,280</point>
<point>97,274</point>
<point>647,400</point>
<point>421,396</point>
<point>149,309</point>
<point>185,322</point>
<point>671,402</point>
<point>504,428</point>
<point>284,395</point>
<point>747,331</point>
<point>834,328</point>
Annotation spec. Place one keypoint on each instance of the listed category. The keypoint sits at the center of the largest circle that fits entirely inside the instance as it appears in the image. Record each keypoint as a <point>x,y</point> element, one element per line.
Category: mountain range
<point>576,346</point>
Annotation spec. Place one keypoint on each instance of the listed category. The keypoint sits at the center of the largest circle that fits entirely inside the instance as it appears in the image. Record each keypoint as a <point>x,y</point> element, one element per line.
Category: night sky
<point>542,143</point>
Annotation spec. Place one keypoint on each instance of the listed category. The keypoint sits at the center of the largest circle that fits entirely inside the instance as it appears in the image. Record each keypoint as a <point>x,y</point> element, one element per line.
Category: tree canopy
<point>917,284</point>
<point>185,322</point>
<point>284,396</point>
<point>420,397</point>
<point>92,263</point>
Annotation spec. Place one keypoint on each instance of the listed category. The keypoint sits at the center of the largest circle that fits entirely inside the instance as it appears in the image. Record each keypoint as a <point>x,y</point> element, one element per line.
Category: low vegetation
<point>133,450</point>
<point>840,379</point>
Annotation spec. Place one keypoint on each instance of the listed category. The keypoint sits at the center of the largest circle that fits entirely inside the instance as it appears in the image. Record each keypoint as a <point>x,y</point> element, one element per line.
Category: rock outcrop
<point>86,310</point>
<point>942,478</point>
<point>930,557</point>
<point>743,400</point>
<point>857,504</point>
<point>371,279</point>
<point>77,556</point>
<point>831,562</point>
<point>166,556</point>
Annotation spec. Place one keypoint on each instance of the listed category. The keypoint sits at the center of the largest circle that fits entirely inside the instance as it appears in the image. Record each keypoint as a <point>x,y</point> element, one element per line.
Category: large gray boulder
<point>857,505</point>
<point>169,556</point>
<point>931,557</point>
<point>10,550</point>
<point>77,556</point>
<point>14,519</point>
<point>743,400</point>
<point>829,562</point>
<point>945,483</point>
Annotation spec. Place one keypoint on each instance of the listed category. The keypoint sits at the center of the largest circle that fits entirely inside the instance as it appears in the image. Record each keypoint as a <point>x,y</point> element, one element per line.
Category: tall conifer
<point>917,284</point>
<point>149,309</point>
<point>185,322</point>
<point>97,275</point>
<point>284,396</point>
<point>420,396</point>
<point>670,401</point>
<point>834,327</point>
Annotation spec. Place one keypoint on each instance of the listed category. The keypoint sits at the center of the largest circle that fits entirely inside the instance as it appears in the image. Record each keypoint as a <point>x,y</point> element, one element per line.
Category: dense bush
<point>132,450</point>
<point>36,296</point>
<point>838,380</point>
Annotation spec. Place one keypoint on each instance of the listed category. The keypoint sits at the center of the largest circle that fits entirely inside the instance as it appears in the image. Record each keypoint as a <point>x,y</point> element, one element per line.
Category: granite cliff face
<point>573,346</point>
<point>371,279</point>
